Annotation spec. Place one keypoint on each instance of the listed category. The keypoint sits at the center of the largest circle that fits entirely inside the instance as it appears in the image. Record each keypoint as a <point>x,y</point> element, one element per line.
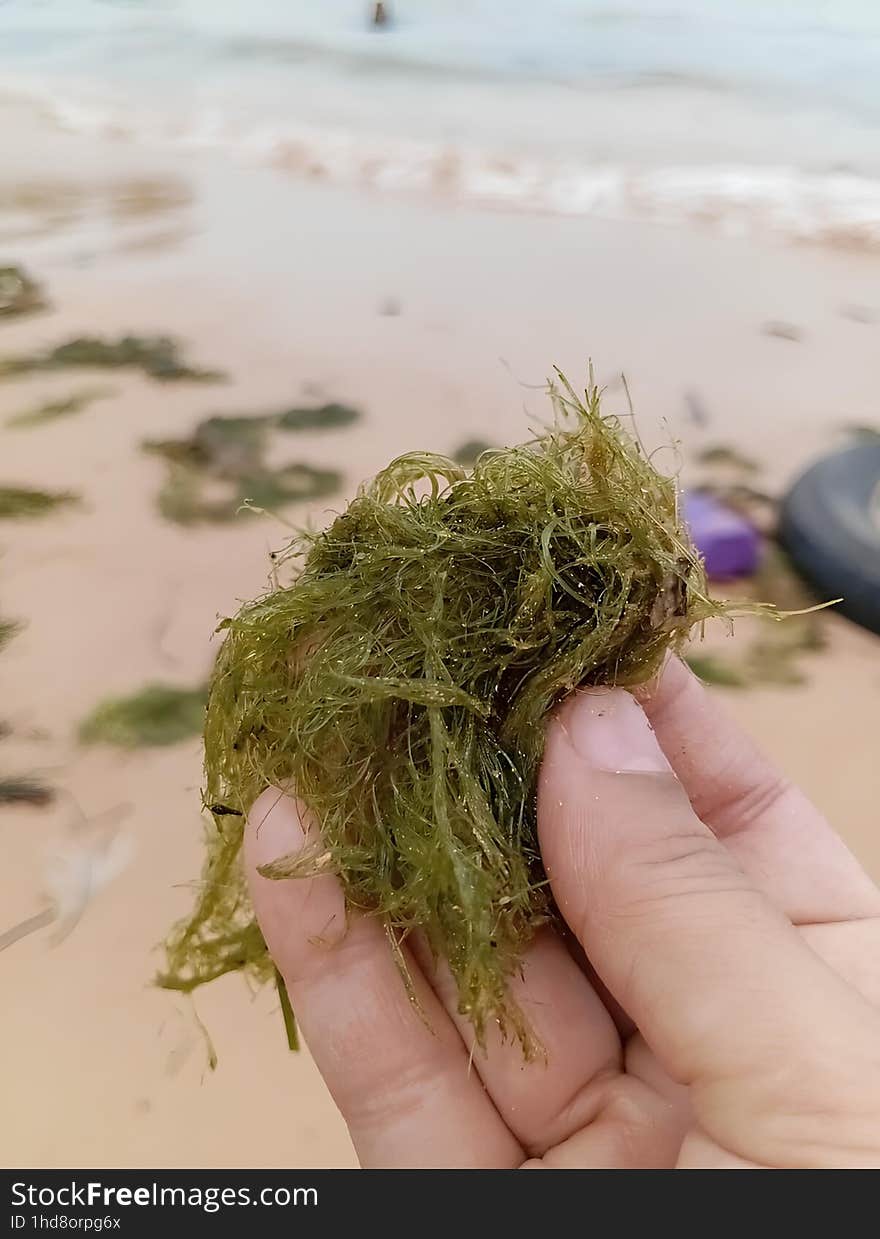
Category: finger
<point>782,841</point>
<point>400,1078</point>
<point>629,1131</point>
<point>575,1080</point>
<point>698,1152</point>
<point>550,1095</point>
<point>724,990</point>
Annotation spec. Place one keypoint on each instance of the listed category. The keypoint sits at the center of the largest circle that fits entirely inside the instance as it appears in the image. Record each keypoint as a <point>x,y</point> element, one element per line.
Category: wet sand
<point>284,284</point>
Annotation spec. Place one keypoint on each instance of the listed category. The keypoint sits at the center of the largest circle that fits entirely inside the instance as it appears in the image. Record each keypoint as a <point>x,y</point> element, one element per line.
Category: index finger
<point>398,1074</point>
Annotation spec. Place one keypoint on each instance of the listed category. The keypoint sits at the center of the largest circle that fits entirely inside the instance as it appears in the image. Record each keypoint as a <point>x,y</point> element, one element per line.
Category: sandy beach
<point>440,324</point>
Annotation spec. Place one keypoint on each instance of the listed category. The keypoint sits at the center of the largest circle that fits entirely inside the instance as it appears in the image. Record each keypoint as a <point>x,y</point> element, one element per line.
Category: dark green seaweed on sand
<point>317,417</point>
<point>157,715</point>
<point>24,502</point>
<point>221,467</point>
<point>25,789</point>
<point>19,789</point>
<point>8,629</point>
<point>716,670</point>
<point>190,496</point>
<point>53,410</point>
<point>231,443</point>
<point>468,453</point>
<point>19,293</point>
<point>723,455</point>
<point>225,446</point>
<point>156,356</point>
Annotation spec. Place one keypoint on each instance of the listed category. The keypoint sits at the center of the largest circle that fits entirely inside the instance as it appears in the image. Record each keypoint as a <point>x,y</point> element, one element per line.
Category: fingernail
<point>274,827</point>
<point>608,729</point>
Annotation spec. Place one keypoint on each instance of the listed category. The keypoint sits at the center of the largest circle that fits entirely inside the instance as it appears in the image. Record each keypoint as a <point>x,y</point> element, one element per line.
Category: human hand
<point>729,1014</point>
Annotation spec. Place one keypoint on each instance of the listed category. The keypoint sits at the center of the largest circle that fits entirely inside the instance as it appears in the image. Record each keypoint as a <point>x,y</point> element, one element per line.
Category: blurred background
<point>253,251</point>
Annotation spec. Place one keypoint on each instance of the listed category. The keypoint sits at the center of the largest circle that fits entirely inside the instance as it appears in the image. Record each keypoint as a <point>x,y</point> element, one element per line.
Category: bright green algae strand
<point>400,686</point>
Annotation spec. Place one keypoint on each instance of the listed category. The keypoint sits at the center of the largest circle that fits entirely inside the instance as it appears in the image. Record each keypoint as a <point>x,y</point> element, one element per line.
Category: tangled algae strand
<point>401,685</point>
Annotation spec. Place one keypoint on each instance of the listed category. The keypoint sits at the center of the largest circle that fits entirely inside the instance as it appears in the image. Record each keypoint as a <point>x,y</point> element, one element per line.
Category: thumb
<point>719,982</point>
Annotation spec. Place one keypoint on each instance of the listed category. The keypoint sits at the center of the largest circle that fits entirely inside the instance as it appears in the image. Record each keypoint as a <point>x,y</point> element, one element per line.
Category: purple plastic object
<point>728,542</point>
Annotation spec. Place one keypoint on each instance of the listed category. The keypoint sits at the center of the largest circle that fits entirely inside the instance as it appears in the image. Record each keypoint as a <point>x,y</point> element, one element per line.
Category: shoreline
<point>525,162</point>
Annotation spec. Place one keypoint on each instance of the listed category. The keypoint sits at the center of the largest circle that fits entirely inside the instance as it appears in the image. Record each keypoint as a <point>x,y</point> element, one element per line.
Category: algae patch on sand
<point>316,417</point>
<point>25,789</point>
<point>157,715</point>
<point>19,293</point>
<point>25,502</point>
<point>54,410</point>
<point>190,496</point>
<point>19,789</point>
<point>468,453</point>
<point>8,629</point>
<point>401,683</point>
<point>222,465</point>
<point>158,357</point>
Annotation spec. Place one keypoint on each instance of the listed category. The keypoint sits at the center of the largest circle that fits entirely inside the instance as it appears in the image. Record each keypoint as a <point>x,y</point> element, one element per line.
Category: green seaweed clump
<point>401,685</point>
<point>23,502</point>
<point>156,356</point>
<point>157,715</point>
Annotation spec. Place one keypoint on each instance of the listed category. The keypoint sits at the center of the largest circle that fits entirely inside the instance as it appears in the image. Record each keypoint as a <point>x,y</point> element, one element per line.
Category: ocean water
<point>745,115</point>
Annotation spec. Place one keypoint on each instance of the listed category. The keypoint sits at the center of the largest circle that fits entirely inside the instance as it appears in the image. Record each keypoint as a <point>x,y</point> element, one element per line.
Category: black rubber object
<point>830,526</point>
